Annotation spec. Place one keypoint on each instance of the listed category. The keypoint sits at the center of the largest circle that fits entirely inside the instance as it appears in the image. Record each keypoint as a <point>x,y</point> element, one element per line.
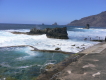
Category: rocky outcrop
<point>98,20</point>
<point>87,26</point>
<point>43,24</point>
<point>55,23</point>
<point>37,31</point>
<point>58,33</point>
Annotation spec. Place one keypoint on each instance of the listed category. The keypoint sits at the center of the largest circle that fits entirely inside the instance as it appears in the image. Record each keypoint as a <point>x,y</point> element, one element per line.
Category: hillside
<point>98,20</point>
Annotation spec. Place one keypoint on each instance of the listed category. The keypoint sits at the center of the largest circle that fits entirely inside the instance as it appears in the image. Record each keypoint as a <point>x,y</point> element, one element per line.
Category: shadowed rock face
<point>58,33</point>
<point>87,26</point>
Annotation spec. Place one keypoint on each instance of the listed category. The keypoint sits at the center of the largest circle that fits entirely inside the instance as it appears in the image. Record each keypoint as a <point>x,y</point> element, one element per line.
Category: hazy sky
<point>48,11</point>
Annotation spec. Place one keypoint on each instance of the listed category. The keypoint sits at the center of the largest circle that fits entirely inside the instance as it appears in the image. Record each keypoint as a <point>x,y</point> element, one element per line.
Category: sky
<point>48,11</point>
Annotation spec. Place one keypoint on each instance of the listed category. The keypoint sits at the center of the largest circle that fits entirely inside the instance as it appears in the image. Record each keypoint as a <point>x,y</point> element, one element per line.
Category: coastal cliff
<point>98,20</point>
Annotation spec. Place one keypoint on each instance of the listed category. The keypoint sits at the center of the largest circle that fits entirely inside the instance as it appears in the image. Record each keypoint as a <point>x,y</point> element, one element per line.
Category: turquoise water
<point>22,63</point>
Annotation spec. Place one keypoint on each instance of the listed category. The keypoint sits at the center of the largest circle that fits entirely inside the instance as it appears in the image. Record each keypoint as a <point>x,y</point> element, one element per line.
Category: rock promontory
<point>58,33</point>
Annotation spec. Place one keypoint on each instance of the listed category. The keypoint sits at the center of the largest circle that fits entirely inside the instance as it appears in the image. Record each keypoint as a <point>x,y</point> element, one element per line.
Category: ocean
<point>24,64</point>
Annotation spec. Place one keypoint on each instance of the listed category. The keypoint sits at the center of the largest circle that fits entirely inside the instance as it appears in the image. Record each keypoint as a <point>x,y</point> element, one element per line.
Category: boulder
<point>57,48</point>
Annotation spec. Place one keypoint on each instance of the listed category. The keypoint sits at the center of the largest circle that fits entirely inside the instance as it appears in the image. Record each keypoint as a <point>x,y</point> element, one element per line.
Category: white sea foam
<point>5,64</point>
<point>18,30</point>
<point>42,42</point>
<point>24,67</point>
<point>22,58</point>
<point>28,66</point>
<point>28,51</point>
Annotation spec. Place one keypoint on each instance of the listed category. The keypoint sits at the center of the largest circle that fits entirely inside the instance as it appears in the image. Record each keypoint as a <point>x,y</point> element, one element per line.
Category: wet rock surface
<point>58,33</point>
<point>38,31</point>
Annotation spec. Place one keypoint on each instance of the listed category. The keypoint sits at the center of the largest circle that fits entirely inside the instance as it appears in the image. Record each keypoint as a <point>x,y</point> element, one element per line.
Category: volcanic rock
<point>57,48</point>
<point>58,33</point>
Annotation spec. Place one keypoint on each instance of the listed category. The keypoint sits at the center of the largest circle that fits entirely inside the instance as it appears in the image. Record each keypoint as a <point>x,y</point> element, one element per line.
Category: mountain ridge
<point>98,20</point>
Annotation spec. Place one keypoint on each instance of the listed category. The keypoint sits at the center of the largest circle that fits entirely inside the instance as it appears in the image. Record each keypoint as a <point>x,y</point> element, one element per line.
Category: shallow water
<point>20,61</point>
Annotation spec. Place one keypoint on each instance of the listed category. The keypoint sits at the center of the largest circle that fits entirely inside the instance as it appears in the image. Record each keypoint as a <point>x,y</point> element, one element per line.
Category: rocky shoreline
<point>79,65</point>
<point>89,67</point>
<point>75,61</point>
<point>53,71</point>
<point>57,33</point>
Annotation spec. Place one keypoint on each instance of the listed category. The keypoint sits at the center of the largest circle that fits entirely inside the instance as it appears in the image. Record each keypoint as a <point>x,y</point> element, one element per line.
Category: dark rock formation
<point>57,48</point>
<point>58,33</point>
<point>43,24</point>
<point>37,31</point>
<point>98,20</point>
<point>87,26</point>
<point>105,38</point>
<point>55,23</point>
<point>19,32</point>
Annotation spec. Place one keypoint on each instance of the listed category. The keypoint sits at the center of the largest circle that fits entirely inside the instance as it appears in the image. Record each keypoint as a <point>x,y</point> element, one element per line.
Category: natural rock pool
<point>24,64</point>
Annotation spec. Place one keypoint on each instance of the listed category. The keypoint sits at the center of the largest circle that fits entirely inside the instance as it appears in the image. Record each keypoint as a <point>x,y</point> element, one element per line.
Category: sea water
<point>22,63</point>
<point>18,62</point>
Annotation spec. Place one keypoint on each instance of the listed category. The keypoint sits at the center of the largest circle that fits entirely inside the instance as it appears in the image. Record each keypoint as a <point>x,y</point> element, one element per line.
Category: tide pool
<point>22,63</point>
